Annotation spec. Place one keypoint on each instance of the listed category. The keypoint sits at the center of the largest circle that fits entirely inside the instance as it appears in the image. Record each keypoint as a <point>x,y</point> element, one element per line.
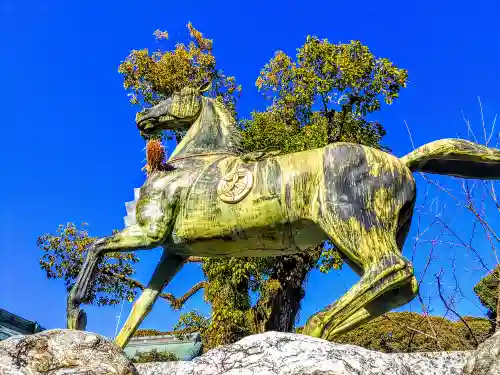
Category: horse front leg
<point>153,227</point>
<point>166,269</point>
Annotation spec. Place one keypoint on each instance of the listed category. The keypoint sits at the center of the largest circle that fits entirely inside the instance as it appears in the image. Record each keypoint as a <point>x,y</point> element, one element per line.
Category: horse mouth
<point>147,126</point>
<point>152,123</point>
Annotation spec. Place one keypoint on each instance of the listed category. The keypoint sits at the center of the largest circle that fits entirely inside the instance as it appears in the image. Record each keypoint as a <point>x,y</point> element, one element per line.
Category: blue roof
<point>11,325</point>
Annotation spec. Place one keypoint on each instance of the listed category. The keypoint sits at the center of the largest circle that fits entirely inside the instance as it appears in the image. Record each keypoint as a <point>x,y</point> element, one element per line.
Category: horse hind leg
<point>393,298</point>
<point>390,300</point>
<point>387,282</point>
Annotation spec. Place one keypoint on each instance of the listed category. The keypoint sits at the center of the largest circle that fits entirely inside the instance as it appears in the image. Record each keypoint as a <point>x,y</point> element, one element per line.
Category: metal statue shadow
<point>217,201</point>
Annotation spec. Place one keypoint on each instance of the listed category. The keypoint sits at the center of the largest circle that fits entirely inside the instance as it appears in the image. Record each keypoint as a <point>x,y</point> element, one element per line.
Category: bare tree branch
<point>176,303</point>
<point>469,197</point>
<point>450,308</point>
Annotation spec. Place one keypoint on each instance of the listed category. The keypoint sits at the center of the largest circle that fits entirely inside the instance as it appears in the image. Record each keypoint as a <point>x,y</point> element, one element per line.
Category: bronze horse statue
<point>216,201</point>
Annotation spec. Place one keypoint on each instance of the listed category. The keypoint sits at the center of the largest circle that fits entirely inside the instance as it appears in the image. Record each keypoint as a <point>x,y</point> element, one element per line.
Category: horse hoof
<point>76,319</point>
<point>313,327</point>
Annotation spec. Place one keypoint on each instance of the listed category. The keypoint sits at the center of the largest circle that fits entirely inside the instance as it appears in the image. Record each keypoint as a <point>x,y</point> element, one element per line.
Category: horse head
<point>178,112</point>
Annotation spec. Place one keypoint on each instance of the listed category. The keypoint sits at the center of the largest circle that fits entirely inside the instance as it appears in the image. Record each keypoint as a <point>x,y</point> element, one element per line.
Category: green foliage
<point>487,290</point>
<point>482,329</point>
<point>335,72</point>
<point>270,128</point>
<point>150,78</point>
<point>341,82</point>
<point>330,259</point>
<point>154,356</point>
<point>64,253</point>
<point>227,292</point>
<point>411,332</point>
<point>191,322</point>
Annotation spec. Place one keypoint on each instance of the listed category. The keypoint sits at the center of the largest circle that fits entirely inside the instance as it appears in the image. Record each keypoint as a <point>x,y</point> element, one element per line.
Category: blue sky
<point>70,150</point>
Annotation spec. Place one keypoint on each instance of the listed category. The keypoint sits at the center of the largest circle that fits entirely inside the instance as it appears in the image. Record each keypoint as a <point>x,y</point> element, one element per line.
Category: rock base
<point>63,352</point>
<point>276,353</point>
<point>68,352</point>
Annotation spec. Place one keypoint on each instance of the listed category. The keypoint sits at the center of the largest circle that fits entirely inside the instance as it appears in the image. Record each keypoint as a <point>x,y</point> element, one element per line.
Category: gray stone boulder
<point>274,353</point>
<point>68,352</point>
<point>485,360</point>
<point>63,352</point>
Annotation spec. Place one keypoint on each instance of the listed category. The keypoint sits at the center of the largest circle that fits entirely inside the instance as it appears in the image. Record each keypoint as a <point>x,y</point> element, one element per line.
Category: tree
<point>487,291</point>
<point>64,253</point>
<point>321,96</point>
<point>192,322</point>
<point>63,257</point>
<point>150,78</point>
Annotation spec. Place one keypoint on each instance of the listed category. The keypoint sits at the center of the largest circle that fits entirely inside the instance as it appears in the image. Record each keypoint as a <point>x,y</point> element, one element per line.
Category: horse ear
<point>205,87</point>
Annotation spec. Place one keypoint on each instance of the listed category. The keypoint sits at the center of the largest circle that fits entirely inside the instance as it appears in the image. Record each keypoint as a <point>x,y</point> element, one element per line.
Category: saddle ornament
<point>235,186</point>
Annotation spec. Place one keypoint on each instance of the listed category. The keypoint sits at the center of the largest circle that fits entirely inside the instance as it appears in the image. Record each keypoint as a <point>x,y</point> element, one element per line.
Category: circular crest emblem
<point>235,186</point>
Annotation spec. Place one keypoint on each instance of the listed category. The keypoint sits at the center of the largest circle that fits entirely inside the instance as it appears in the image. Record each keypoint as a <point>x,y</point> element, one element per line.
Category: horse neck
<point>214,130</point>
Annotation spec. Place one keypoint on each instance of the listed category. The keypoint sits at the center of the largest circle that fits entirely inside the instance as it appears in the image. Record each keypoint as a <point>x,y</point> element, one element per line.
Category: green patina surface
<point>218,201</point>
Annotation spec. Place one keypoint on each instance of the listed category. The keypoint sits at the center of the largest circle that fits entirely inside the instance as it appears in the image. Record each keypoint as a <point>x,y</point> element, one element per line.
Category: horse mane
<point>235,138</point>
<point>214,131</point>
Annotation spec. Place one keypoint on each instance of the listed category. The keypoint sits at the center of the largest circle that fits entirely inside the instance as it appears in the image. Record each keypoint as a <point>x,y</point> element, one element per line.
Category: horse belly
<point>277,240</point>
<point>235,231</point>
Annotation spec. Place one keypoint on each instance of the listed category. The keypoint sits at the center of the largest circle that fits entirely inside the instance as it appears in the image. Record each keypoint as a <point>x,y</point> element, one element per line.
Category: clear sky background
<point>70,150</point>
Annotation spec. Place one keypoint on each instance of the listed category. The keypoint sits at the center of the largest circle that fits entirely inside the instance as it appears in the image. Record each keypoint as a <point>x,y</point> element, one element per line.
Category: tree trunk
<point>285,302</point>
<point>277,310</point>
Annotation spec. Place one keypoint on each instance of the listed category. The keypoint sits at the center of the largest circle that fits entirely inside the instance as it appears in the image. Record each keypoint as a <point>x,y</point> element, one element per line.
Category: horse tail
<point>455,157</point>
